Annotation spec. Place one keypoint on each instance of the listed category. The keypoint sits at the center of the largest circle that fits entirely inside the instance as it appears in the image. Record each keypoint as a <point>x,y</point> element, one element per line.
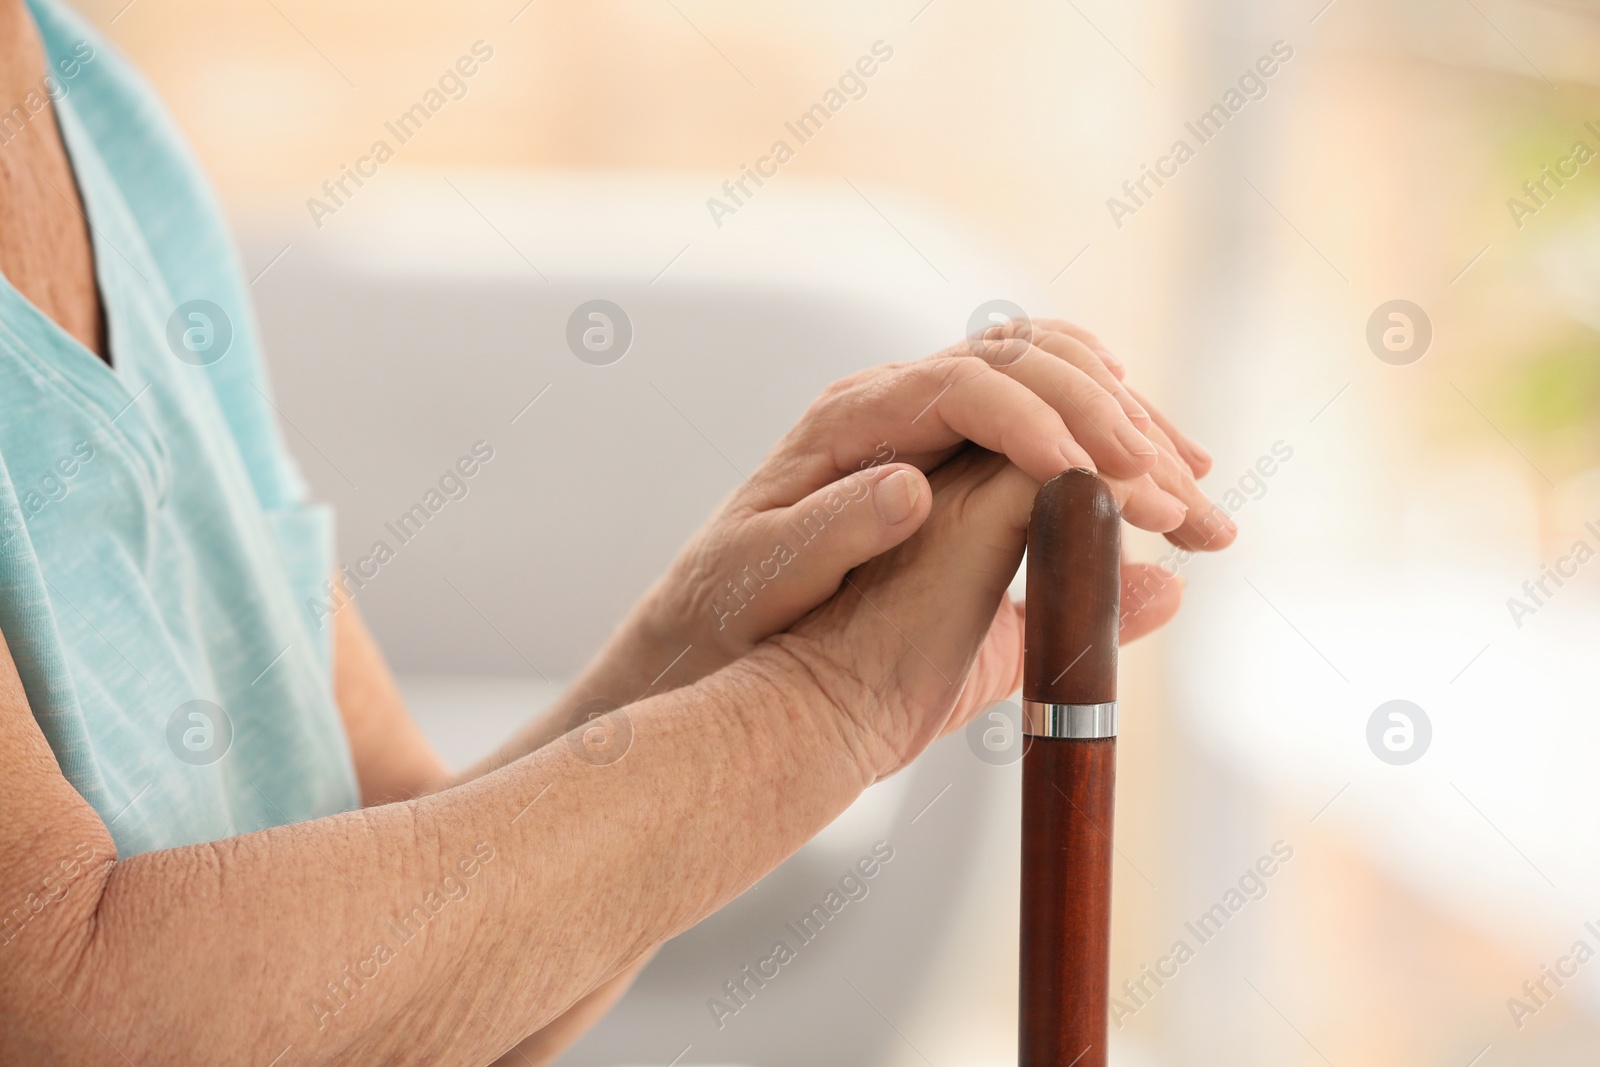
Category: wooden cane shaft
<point>1069,666</point>
<point>1067,790</point>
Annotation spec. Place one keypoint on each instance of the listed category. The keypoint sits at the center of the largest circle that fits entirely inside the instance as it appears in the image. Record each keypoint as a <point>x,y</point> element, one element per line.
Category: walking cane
<point>1069,767</point>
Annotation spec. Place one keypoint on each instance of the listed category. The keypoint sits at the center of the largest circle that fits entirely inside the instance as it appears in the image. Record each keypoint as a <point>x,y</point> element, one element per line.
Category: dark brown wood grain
<point>1067,790</point>
<point>1074,582</point>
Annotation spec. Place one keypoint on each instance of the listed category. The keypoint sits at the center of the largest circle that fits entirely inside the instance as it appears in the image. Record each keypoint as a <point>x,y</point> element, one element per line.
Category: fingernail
<point>1075,454</point>
<point>895,497</point>
<point>1199,453</point>
<point>1134,409</point>
<point>1135,442</point>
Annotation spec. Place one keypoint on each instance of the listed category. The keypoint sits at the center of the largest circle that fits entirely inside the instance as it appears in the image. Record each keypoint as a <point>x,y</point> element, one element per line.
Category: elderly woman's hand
<point>925,635</point>
<point>848,483</point>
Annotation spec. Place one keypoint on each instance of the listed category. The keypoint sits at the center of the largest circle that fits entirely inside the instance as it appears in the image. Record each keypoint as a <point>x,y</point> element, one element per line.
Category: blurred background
<point>1394,497</point>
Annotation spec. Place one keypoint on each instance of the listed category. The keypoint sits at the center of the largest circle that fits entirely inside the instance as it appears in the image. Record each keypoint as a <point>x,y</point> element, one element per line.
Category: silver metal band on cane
<point>1069,720</point>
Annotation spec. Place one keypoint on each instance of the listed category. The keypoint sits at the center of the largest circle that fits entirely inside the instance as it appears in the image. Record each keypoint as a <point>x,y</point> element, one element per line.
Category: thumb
<point>801,553</point>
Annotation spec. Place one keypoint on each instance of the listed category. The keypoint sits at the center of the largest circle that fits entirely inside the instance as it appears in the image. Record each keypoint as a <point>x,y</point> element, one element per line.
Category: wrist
<point>642,657</point>
<point>818,701</point>
<point>664,643</point>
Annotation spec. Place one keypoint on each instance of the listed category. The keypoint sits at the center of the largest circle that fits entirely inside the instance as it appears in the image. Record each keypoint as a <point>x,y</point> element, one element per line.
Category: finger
<point>996,673</point>
<point>1206,527</point>
<point>919,413</point>
<point>1151,596</point>
<point>795,557</point>
<point>1089,340</point>
<point>912,659</point>
<point>1074,351</point>
<point>1198,459</point>
<point>981,533</point>
<point>1093,415</point>
<point>1147,506</point>
<point>1168,500</point>
<point>978,406</point>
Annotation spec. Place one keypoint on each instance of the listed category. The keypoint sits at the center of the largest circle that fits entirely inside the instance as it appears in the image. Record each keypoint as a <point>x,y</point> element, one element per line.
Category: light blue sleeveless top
<point>157,550</point>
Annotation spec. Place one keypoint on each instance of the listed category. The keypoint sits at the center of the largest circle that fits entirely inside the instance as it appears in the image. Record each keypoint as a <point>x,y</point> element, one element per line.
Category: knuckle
<point>1102,406</point>
<point>838,390</point>
<point>1066,347</point>
<point>1004,345</point>
<point>1172,471</point>
<point>1072,329</point>
<point>960,368</point>
<point>1077,351</point>
<point>836,402</point>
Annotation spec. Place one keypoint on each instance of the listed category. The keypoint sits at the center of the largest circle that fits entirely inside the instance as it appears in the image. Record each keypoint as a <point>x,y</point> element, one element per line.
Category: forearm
<point>590,868</point>
<point>393,759</point>
<point>405,766</point>
<point>647,655</point>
